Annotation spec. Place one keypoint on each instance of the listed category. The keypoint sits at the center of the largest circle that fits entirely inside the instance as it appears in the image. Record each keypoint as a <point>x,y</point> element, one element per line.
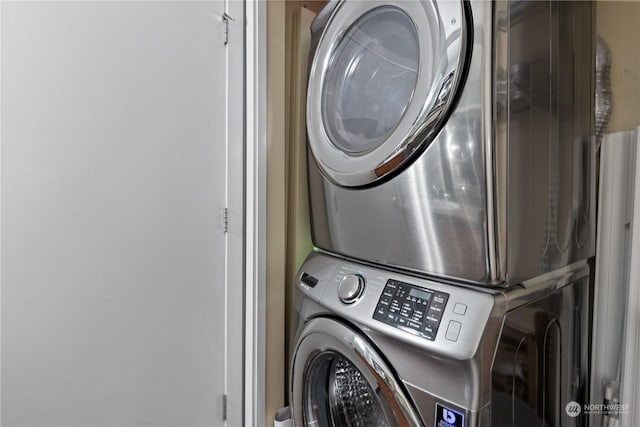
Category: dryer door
<point>382,81</point>
<point>339,379</point>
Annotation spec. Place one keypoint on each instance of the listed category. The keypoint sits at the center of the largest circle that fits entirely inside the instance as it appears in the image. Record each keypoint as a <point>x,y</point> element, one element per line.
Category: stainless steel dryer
<point>375,348</point>
<point>453,138</point>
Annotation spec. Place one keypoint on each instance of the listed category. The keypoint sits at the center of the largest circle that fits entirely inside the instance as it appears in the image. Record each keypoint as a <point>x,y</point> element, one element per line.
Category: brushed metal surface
<point>505,190</point>
<point>542,361</point>
<point>526,356</point>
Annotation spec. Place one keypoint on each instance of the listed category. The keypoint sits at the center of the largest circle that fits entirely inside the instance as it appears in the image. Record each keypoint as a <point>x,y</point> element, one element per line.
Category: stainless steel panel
<point>504,192</point>
<point>541,364</point>
<point>548,116</point>
<point>549,314</point>
<point>430,218</point>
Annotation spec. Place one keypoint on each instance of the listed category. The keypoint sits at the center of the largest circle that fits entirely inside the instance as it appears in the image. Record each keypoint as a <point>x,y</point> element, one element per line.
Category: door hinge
<point>224,407</point>
<point>226,18</point>
<point>225,219</point>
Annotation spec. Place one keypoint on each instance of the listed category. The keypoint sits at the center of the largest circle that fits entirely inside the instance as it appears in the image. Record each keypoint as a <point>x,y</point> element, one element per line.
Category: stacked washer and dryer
<point>451,179</point>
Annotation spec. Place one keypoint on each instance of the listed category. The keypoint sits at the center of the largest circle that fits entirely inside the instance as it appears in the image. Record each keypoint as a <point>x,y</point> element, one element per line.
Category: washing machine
<point>453,138</point>
<point>379,348</point>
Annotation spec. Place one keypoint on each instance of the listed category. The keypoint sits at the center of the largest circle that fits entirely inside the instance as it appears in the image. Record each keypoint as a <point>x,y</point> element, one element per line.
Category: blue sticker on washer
<point>446,417</point>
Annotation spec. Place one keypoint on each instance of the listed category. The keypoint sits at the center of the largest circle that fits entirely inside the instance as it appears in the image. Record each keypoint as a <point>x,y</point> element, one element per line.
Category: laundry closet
<point>349,213</point>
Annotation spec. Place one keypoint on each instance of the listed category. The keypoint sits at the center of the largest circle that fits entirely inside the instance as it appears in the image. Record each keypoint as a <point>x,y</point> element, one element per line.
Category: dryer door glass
<point>381,85</point>
<point>370,80</point>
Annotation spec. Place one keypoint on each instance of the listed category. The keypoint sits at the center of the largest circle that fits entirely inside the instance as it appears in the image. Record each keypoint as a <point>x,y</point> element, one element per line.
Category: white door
<point>114,182</point>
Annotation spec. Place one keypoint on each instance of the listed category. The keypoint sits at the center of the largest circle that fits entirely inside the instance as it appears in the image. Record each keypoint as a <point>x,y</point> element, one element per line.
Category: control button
<point>460,308</point>
<point>433,316</point>
<point>380,311</point>
<point>453,331</point>
<point>405,312</point>
<point>418,309</point>
<point>414,325</point>
<point>429,333</point>
<point>350,288</point>
<point>440,298</point>
<point>433,320</point>
<point>402,321</point>
<point>391,317</point>
<point>436,308</point>
<point>309,280</point>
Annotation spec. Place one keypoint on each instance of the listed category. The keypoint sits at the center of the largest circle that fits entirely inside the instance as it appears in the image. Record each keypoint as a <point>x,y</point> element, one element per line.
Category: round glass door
<point>337,394</point>
<point>370,80</point>
<point>381,83</point>
<point>338,379</point>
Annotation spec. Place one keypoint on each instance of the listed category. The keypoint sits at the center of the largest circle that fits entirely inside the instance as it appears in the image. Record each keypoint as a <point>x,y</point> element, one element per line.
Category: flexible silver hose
<point>603,89</point>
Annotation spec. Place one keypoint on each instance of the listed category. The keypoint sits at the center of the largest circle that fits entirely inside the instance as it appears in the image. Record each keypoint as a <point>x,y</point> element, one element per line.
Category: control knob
<point>350,288</point>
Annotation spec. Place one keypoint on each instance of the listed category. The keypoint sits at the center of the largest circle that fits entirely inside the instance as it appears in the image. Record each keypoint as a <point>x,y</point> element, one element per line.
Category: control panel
<point>440,318</point>
<point>411,308</point>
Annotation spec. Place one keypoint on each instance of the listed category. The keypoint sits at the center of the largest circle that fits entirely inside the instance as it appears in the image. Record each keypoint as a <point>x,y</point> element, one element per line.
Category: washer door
<point>339,379</point>
<point>382,80</point>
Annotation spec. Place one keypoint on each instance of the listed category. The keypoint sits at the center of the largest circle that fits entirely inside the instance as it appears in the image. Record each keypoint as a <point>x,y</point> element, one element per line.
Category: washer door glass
<point>337,394</point>
<point>339,379</point>
<point>370,79</point>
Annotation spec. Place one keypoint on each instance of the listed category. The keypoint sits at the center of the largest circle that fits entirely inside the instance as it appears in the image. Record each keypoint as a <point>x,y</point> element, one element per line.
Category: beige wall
<point>279,229</point>
<point>276,203</point>
<point>618,23</point>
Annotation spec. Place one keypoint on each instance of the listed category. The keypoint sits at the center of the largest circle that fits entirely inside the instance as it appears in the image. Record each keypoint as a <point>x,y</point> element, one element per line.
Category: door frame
<point>234,402</point>
<point>255,213</point>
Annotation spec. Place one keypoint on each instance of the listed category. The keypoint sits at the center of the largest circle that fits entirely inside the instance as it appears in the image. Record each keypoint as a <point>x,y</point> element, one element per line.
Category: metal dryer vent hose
<point>603,89</point>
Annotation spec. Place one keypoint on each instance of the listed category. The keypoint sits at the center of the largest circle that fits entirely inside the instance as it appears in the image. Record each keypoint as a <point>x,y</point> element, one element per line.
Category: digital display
<point>419,294</point>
